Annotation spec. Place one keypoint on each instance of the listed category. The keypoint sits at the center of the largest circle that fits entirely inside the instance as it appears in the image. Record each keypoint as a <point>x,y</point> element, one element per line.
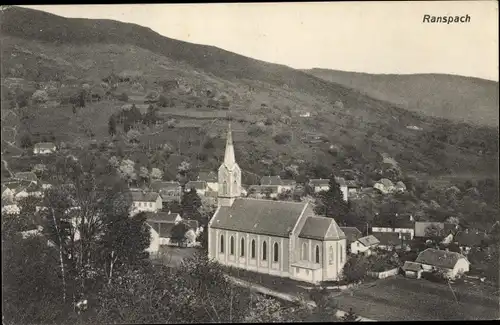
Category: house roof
<point>470,238</point>
<point>369,240</point>
<point>351,233</point>
<point>321,228</point>
<point>319,182</point>
<point>162,217</point>
<point>271,180</point>
<point>340,181</point>
<point>386,182</point>
<point>44,145</point>
<point>412,266</point>
<point>192,224</point>
<point>198,185</point>
<point>28,176</point>
<point>165,185</point>
<point>439,258</point>
<point>213,194</point>
<point>17,186</point>
<point>267,217</point>
<point>421,226</point>
<point>140,196</point>
<point>4,188</point>
<point>351,183</point>
<point>288,182</point>
<point>399,223</point>
<point>163,229</point>
<point>210,177</point>
<point>388,238</point>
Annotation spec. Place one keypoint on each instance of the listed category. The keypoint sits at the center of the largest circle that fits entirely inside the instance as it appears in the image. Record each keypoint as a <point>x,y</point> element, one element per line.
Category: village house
<point>210,178</point>
<point>143,201</point>
<point>352,234</point>
<point>280,238</point>
<point>169,191</point>
<point>400,227</point>
<point>352,188</point>
<point>10,208</point>
<point>201,187</point>
<point>162,224</point>
<point>44,148</point>
<point>385,186</point>
<point>17,190</point>
<point>364,245</point>
<point>451,263</point>
<point>422,228</point>
<point>470,238</point>
<point>277,184</point>
<point>413,270</point>
<point>390,241</point>
<point>25,176</point>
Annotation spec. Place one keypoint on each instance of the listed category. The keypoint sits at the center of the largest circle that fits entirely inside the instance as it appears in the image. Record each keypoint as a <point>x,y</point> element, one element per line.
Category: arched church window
<point>304,252</point>
<point>224,187</point>
<point>330,253</point>
<point>242,247</point>
<point>231,246</point>
<point>253,248</point>
<point>317,254</point>
<point>341,255</point>
<point>276,252</point>
<point>222,243</point>
<point>264,251</point>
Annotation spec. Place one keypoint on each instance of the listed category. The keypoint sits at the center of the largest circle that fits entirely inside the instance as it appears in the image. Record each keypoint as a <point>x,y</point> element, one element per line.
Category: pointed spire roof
<point>229,159</point>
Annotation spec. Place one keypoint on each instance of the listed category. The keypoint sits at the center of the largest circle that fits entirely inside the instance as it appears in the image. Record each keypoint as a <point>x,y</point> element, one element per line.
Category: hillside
<point>457,98</point>
<point>64,56</point>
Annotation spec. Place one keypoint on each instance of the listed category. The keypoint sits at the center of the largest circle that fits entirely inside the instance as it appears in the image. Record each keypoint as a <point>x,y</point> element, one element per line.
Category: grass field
<point>399,298</point>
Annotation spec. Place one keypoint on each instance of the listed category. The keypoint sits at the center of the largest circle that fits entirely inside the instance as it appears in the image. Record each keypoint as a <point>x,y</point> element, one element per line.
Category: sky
<point>371,37</point>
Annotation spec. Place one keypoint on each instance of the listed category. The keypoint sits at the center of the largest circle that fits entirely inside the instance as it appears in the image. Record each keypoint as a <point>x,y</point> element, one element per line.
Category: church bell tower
<point>229,175</point>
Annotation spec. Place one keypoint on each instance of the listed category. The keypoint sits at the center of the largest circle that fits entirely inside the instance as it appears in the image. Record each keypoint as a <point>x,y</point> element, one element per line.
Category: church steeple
<point>229,174</point>
<point>229,159</point>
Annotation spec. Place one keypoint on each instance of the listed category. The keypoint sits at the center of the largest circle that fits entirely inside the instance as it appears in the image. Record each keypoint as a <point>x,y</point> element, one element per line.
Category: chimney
<point>466,231</point>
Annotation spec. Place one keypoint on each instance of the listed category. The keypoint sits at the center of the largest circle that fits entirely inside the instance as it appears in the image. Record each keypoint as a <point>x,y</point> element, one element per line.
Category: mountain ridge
<point>438,95</point>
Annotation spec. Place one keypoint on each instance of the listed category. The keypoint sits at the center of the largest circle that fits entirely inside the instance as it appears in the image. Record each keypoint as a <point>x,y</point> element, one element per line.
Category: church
<point>280,238</point>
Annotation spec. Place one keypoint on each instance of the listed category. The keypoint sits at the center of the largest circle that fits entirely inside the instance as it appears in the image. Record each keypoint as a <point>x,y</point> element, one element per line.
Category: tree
<point>178,233</point>
<point>112,125</point>
<point>433,231</point>
<point>190,204</point>
<point>350,316</point>
<point>156,174</point>
<point>144,174</point>
<point>133,136</point>
<point>332,202</point>
<point>127,170</point>
<point>26,141</point>
<point>184,168</point>
<point>40,96</point>
<point>355,268</point>
<point>123,97</point>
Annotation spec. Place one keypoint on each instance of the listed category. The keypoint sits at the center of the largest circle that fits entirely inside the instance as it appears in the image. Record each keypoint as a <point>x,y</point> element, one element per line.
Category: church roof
<point>266,217</point>
<point>321,228</point>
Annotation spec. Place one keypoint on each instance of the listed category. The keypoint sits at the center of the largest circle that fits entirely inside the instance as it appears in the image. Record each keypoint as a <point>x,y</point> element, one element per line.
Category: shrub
<point>282,138</point>
<point>123,97</point>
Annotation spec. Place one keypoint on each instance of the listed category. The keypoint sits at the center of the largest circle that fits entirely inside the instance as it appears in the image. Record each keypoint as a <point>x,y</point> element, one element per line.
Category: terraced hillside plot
<point>402,299</point>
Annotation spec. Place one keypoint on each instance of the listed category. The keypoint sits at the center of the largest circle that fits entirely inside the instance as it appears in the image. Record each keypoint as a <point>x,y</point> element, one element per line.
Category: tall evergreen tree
<point>332,203</point>
<point>112,125</point>
<point>190,204</point>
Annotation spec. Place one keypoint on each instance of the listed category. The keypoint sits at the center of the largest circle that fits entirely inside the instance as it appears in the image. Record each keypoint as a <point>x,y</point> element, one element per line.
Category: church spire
<point>229,159</point>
